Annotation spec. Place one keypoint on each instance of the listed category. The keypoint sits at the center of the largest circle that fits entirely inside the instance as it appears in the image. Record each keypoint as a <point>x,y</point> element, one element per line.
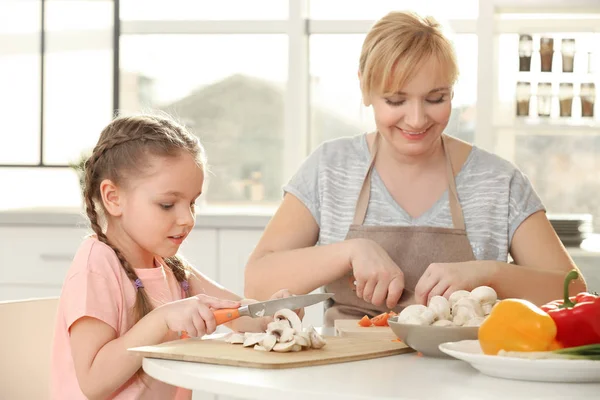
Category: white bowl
<point>426,338</point>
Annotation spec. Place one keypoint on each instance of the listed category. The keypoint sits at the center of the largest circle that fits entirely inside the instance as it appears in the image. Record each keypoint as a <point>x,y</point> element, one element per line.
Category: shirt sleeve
<point>94,291</point>
<point>523,202</point>
<point>305,184</point>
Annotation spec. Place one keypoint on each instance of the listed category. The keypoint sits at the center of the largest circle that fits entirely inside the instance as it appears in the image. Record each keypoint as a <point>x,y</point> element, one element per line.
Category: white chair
<point>26,333</point>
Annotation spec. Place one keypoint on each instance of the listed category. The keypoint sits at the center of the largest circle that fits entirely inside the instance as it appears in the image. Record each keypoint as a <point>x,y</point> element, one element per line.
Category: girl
<point>126,286</point>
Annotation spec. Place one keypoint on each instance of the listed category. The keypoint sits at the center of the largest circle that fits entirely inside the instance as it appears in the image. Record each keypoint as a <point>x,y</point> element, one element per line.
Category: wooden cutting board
<point>337,350</point>
<point>350,328</point>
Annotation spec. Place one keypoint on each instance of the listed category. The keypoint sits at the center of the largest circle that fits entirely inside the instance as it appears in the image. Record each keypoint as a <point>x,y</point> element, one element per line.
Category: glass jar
<point>588,97</point>
<point>568,53</point>
<point>546,53</point>
<point>525,51</point>
<point>565,97</point>
<point>523,96</point>
<point>544,99</point>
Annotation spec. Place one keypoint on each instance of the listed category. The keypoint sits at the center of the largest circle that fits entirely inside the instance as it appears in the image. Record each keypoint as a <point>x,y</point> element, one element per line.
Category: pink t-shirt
<point>96,286</point>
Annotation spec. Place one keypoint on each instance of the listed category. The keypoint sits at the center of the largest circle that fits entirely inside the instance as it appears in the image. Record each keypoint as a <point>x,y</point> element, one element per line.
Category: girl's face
<point>158,209</point>
<point>413,118</point>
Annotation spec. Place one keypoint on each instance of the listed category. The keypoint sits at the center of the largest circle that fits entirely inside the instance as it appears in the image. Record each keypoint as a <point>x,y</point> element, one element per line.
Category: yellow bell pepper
<point>517,325</point>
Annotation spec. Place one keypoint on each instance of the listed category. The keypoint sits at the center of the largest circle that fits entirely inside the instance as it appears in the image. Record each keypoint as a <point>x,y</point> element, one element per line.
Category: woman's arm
<point>541,264</point>
<point>286,255</point>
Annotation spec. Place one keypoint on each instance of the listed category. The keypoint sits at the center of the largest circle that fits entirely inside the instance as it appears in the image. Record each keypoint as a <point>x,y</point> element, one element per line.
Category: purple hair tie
<point>138,284</point>
<point>185,286</point>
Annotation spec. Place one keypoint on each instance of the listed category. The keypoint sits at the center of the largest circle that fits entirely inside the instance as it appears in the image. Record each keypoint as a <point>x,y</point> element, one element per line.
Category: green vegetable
<point>588,352</point>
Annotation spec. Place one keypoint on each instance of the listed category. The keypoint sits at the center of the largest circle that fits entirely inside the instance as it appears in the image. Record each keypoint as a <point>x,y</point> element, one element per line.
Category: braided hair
<point>123,150</point>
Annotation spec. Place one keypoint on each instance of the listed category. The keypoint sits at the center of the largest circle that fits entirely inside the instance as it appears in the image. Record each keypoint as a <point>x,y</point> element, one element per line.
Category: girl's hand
<point>379,280</point>
<point>194,315</point>
<point>443,279</point>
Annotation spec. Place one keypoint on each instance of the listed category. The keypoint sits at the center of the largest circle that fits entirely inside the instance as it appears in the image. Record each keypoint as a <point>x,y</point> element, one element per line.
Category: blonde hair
<point>122,152</point>
<point>397,46</point>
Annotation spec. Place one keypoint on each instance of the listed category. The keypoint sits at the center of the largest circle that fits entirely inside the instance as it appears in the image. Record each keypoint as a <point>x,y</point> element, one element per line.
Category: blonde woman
<point>397,216</point>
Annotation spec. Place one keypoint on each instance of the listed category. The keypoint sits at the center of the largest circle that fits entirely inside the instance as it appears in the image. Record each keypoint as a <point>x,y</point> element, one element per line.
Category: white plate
<point>544,370</point>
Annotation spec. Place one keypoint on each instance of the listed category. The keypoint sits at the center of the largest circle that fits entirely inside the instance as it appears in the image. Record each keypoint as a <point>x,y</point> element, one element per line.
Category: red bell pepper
<point>577,318</point>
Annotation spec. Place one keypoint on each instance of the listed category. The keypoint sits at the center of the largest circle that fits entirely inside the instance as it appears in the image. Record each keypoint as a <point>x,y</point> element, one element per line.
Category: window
<point>560,153</point>
<point>336,103</point>
<point>229,89</point>
<point>20,81</point>
<point>223,68</point>
<point>157,10</point>
<point>78,80</point>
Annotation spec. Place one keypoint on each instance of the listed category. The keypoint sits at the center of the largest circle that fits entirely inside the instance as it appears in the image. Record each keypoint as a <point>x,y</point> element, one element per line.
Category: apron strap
<point>365,192</point>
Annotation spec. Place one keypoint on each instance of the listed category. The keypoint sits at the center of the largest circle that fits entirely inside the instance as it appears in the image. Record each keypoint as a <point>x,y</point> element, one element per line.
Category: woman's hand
<point>442,279</point>
<point>194,315</point>
<point>379,280</point>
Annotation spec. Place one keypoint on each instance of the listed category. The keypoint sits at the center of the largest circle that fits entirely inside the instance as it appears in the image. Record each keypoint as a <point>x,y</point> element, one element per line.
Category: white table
<point>405,376</point>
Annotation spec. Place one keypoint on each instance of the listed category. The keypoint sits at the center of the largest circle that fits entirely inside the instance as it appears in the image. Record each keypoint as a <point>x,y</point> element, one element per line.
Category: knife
<point>265,308</point>
<point>270,307</point>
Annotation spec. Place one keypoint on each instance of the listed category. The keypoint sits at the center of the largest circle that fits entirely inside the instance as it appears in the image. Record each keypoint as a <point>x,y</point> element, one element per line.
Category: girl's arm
<point>102,362</point>
<point>201,284</point>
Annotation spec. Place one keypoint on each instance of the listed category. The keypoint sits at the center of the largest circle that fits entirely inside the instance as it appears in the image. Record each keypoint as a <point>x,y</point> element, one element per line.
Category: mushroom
<point>411,311</point>
<point>302,338</point>
<point>284,347</point>
<point>466,309</point>
<point>296,347</point>
<point>260,348</point>
<point>235,338</point>
<point>456,296</point>
<point>316,340</point>
<point>281,331</point>
<point>442,322</point>
<point>486,296</point>
<point>268,342</point>
<point>290,316</point>
<point>440,307</point>
<point>416,314</point>
<point>253,338</point>
<point>475,321</point>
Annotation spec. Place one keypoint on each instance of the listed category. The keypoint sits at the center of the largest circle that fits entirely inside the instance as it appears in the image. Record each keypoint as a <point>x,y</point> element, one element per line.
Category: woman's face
<point>412,119</point>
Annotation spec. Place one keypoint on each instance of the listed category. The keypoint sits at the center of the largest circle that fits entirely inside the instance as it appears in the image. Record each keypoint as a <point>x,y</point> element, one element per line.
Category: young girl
<point>126,286</point>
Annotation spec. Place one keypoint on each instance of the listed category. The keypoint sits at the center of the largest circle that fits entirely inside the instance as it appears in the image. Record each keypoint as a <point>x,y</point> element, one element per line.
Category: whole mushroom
<point>440,307</point>
<point>486,296</point>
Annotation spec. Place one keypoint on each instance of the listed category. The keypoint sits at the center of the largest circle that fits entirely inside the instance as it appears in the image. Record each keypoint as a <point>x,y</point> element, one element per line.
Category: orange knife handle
<point>225,315</point>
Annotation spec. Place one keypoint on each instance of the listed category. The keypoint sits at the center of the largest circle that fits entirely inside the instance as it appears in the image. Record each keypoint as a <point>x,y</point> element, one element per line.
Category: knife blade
<point>269,307</point>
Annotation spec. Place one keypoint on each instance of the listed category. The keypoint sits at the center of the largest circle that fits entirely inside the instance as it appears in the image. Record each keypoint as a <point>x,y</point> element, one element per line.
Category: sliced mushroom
<point>303,339</point>
<point>277,327</point>
<point>296,347</point>
<point>260,348</point>
<point>254,338</point>
<point>235,338</point>
<point>268,342</point>
<point>284,347</point>
<point>290,316</point>
<point>316,340</point>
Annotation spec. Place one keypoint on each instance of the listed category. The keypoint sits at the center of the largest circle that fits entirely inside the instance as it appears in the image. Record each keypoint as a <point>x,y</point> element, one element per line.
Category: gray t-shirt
<point>495,196</point>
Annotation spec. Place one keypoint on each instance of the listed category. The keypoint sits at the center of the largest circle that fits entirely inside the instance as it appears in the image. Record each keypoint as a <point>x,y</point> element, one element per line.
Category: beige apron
<point>413,249</point>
